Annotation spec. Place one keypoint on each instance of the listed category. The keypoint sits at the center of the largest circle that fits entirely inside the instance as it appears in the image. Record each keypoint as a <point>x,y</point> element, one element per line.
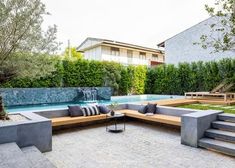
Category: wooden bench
<point>75,120</point>
<point>160,118</point>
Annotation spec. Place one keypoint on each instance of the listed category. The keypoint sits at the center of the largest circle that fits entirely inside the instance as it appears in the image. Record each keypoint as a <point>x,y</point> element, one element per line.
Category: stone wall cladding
<point>29,96</point>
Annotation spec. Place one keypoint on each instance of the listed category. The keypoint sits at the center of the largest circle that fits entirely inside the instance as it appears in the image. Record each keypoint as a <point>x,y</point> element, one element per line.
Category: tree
<point>22,37</point>
<point>222,35</point>
<point>74,53</point>
<point>3,113</point>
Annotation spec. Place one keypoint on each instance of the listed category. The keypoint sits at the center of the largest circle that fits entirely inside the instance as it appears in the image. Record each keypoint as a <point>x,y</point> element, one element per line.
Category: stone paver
<point>140,146</point>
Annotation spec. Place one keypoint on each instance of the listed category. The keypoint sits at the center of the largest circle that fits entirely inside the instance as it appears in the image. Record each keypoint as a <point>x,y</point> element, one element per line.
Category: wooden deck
<point>178,102</point>
<point>216,102</point>
<point>172,102</point>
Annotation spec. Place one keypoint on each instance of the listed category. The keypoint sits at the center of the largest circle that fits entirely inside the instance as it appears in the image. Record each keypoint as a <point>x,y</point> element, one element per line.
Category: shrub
<point>163,79</point>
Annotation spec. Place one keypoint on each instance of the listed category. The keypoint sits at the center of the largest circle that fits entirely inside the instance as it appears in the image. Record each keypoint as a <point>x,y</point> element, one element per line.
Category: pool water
<point>114,99</point>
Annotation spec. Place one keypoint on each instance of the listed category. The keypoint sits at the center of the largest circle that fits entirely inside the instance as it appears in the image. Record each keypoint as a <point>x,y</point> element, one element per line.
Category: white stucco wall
<point>180,48</point>
<point>93,54</point>
<point>122,58</point>
<point>103,53</point>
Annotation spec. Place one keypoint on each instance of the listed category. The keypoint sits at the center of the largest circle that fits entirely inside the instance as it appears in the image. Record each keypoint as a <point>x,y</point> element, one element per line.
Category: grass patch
<point>210,107</point>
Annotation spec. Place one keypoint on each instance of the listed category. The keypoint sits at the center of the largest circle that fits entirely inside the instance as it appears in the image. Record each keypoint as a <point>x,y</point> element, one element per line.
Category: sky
<point>141,22</point>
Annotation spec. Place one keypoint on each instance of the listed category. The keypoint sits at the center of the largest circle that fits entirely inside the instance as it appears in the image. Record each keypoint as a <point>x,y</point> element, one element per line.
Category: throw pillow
<point>151,108</point>
<point>104,109</point>
<point>143,110</point>
<point>90,111</point>
<point>75,111</point>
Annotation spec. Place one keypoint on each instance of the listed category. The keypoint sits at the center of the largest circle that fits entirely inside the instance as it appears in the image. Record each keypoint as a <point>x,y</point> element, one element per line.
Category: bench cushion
<point>151,108</point>
<point>75,111</point>
<point>103,109</point>
<point>172,120</point>
<point>143,109</point>
<point>90,111</point>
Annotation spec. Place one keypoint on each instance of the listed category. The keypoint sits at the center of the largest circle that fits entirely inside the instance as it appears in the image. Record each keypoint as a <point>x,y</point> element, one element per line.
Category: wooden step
<point>219,146</point>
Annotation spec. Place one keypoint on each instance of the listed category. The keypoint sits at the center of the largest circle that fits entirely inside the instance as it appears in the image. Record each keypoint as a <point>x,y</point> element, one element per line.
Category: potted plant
<point>113,107</point>
<point>3,113</point>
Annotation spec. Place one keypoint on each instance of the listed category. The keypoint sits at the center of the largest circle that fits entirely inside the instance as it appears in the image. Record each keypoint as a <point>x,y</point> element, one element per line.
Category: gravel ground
<point>13,118</point>
<point>140,146</point>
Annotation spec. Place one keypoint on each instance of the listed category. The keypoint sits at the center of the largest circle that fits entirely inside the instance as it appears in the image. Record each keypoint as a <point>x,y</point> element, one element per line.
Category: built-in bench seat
<point>160,118</point>
<point>59,121</point>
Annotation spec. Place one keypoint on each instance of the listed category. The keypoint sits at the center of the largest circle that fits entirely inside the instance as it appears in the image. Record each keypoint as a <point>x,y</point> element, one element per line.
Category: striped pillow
<point>90,111</point>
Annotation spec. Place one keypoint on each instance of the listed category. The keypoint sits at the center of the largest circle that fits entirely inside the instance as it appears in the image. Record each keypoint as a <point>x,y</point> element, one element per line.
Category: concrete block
<point>194,125</point>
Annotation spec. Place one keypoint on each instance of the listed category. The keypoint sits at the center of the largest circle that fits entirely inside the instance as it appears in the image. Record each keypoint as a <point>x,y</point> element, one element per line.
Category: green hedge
<point>164,79</point>
<point>197,76</point>
<point>83,73</point>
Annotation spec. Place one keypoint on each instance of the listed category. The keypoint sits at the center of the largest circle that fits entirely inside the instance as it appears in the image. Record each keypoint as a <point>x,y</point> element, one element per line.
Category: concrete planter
<point>36,130</point>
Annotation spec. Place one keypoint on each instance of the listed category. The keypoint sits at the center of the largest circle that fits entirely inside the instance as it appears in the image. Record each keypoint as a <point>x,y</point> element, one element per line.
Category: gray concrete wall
<point>180,47</point>
<point>29,96</point>
<point>194,125</point>
<point>174,111</point>
<point>36,131</point>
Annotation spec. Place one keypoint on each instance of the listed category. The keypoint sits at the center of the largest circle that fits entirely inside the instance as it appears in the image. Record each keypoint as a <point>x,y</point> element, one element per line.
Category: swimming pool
<point>114,99</point>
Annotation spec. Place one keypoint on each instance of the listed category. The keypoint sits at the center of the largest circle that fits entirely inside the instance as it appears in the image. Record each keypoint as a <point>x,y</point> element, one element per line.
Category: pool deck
<point>178,102</point>
<point>141,145</point>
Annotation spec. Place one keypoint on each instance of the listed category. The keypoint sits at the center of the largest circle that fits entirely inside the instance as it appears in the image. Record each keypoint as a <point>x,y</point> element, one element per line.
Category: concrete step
<point>219,146</point>
<point>36,158</point>
<point>229,126</point>
<point>226,117</point>
<point>12,157</point>
<point>220,134</point>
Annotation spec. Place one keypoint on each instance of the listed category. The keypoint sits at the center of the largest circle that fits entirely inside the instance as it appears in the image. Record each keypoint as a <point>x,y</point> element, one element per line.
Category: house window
<point>115,51</point>
<point>142,55</point>
<point>129,54</point>
<point>154,56</point>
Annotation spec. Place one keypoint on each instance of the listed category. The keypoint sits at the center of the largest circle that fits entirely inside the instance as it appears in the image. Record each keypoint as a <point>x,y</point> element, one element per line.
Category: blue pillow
<point>151,108</point>
<point>103,109</point>
<point>143,109</point>
<point>75,111</point>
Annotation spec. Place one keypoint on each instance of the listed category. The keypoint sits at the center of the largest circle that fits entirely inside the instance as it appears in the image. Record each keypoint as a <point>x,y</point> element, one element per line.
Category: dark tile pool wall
<point>27,96</point>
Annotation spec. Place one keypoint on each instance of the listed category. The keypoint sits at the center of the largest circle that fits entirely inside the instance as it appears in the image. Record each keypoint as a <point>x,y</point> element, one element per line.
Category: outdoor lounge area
<point>152,127</point>
<point>128,84</point>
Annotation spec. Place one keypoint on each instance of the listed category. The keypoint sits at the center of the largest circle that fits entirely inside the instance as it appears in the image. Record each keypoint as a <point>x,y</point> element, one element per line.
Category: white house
<point>181,47</point>
<point>124,53</point>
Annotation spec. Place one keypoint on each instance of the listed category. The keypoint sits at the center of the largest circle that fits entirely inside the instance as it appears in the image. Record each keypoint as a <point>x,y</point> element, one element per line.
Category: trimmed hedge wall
<point>163,79</point>
<point>197,76</point>
<point>83,73</point>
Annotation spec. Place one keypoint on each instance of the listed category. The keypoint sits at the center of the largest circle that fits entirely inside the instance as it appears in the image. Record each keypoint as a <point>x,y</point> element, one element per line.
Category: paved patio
<point>140,146</point>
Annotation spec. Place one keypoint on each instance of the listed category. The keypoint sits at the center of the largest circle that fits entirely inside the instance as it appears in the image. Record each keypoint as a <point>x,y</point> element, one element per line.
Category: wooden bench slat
<point>75,120</point>
<point>172,120</point>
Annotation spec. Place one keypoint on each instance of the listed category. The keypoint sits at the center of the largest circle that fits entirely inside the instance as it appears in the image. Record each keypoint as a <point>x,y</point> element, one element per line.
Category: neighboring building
<point>127,54</point>
<point>180,48</point>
